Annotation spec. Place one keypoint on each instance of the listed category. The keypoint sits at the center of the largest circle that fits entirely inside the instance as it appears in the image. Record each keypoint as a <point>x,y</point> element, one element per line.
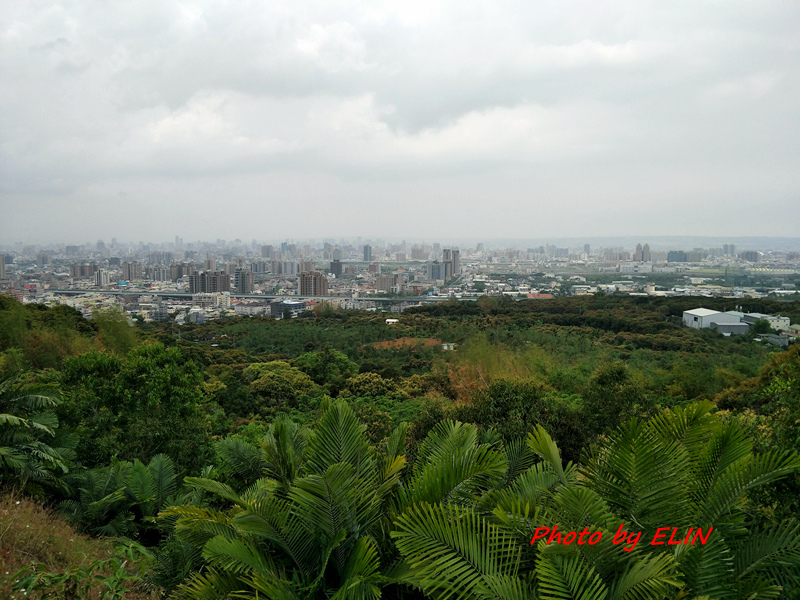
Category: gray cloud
<point>465,119</point>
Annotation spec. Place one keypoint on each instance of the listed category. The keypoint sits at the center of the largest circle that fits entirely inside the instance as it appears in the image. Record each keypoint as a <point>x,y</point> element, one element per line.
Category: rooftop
<point>701,312</point>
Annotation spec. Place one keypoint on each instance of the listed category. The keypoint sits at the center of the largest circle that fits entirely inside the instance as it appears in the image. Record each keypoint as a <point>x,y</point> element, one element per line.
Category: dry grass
<point>406,342</point>
<point>33,535</point>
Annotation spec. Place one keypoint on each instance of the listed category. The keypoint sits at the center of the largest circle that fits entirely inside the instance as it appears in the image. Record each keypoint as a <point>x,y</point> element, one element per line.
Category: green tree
<point>770,406</point>
<point>327,367</point>
<point>761,326</point>
<point>114,331</point>
<point>144,404</point>
<point>13,324</point>
<point>514,407</point>
<point>613,396</point>
<point>371,384</point>
<point>277,387</point>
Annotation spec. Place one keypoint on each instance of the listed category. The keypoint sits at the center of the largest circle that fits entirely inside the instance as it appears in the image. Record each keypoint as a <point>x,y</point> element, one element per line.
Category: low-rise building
<point>280,309</point>
<point>703,318</point>
<point>777,322</point>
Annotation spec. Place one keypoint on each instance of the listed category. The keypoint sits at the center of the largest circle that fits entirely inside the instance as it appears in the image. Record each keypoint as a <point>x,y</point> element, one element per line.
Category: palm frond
<point>689,426</point>
<point>545,448</point>
<point>360,577</point>
<point>457,477</point>
<point>647,577</point>
<point>215,487</point>
<point>642,478</point>
<point>237,556</point>
<point>284,450</point>
<point>706,568</point>
<point>242,459</point>
<point>451,549</point>
<point>446,438</point>
<point>208,585</point>
<point>568,578</point>
<point>747,473</point>
<point>162,471</point>
<point>395,444</point>
<point>520,457</point>
<point>774,551</point>
<point>339,438</point>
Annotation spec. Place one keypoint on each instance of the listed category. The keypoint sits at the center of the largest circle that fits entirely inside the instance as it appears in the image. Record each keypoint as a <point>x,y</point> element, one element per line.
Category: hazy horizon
<point>406,120</point>
<point>657,243</point>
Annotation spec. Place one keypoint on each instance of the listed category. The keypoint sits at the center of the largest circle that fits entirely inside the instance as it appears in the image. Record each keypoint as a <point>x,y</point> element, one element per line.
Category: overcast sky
<point>267,119</point>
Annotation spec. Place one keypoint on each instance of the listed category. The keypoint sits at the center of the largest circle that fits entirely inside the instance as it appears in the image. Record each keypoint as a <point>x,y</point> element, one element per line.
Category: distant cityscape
<point>198,281</point>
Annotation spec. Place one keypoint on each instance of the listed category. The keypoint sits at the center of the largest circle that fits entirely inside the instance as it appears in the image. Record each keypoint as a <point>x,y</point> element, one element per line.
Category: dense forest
<point>336,456</point>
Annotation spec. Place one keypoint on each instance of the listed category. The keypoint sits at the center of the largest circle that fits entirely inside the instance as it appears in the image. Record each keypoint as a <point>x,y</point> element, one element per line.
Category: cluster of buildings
<point>262,270</point>
<point>736,322</point>
<point>211,279</point>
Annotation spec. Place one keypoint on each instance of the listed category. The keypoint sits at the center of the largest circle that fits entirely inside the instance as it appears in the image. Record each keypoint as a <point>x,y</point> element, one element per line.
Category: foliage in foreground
<point>33,452</point>
<point>45,556</point>
<point>333,518</point>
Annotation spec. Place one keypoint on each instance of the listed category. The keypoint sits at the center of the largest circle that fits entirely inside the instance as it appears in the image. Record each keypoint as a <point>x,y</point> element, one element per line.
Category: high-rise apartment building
<point>389,283</point>
<point>313,283</point>
<point>131,271</point>
<point>285,267</point>
<point>209,281</point>
<point>175,272</point>
<point>676,256</point>
<point>452,263</point>
<point>2,267</point>
<point>84,270</point>
<point>159,273</point>
<point>447,258</point>
<point>290,267</point>
<point>243,281</point>
<point>384,283</point>
<point>642,253</point>
<point>101,277</point>
<point>419,253</point>
<point>437,271</point>
<point>750,256</point>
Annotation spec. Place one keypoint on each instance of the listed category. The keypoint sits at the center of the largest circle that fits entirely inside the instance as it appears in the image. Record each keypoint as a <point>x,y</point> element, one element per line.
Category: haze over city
<point>281,120</point>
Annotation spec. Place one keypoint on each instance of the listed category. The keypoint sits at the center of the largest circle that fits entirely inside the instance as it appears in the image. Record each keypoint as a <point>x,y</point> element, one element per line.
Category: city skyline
<point>359,243</point>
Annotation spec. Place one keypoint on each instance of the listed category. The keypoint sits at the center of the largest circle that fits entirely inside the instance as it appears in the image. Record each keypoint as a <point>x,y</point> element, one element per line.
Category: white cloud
<point>575,100</point>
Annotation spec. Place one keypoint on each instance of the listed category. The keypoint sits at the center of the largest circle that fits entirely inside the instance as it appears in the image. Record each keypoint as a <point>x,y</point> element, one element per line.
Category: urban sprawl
<point>195,282</point>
